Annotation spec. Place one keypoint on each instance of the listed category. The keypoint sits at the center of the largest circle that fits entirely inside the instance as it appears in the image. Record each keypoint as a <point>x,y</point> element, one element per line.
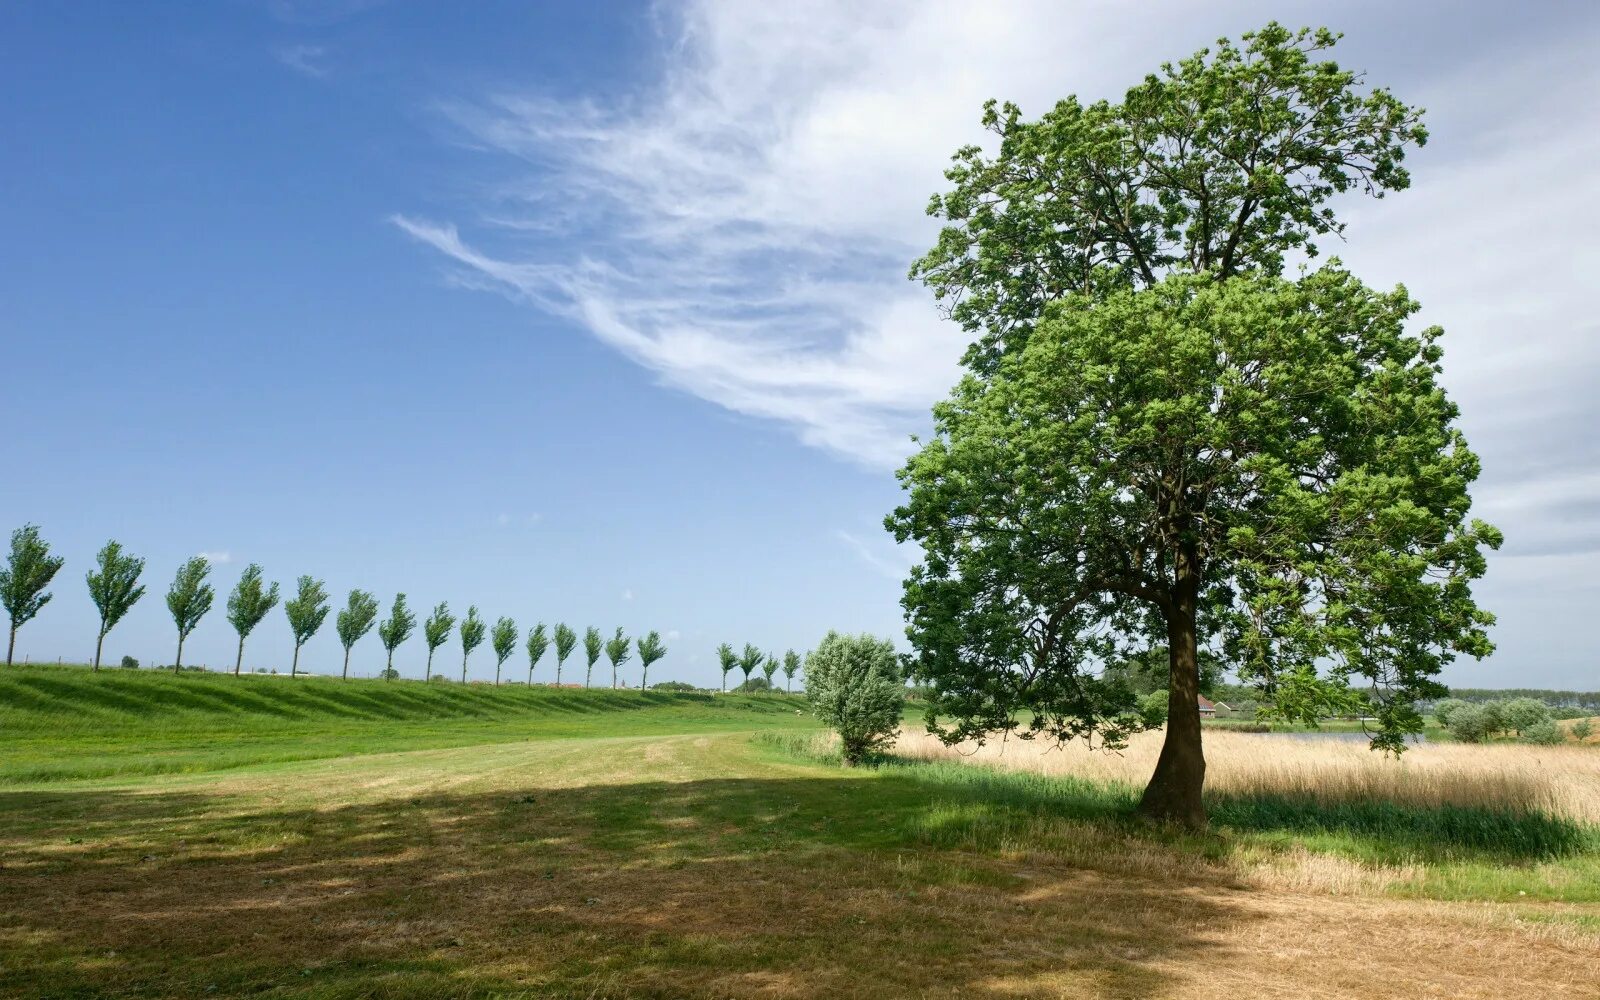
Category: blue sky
<point>596,312</point>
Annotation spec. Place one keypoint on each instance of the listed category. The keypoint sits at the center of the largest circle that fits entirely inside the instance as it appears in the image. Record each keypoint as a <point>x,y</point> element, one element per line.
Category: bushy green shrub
<point>754,685</point>
<point>1469,723</point>
<point>854,684</point>
<point>673,686</point>
<point>1522,714</point>
<point>1544,733</point>
<point>1582,729</point>
<point>1153,707</point>
<point>1494,717</point>
<point>129,663</point>
<point>1443,709</point>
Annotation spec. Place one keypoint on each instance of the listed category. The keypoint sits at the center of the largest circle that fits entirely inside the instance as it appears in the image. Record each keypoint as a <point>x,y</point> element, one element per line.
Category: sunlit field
<point>618,845</point>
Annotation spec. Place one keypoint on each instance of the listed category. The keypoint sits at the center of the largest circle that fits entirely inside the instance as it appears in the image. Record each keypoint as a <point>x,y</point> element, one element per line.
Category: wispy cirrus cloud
<point>307,60</point>
<point>742,225</point>
<point>217,558</point>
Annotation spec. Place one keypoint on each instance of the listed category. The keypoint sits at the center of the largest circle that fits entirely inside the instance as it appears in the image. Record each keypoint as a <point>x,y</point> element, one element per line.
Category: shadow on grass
<point>817,885</point>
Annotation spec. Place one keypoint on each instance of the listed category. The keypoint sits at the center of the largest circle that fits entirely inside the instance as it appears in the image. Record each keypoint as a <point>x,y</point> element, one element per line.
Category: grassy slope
<point>63,723</point>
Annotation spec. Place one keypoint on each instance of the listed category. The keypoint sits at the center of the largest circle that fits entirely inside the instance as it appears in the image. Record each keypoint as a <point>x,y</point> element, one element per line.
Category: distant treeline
<point>1555,699</point>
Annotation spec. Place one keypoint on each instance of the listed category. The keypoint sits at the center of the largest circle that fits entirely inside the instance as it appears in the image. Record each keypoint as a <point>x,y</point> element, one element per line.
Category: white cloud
<point>893,561</point>
<point>221,558</point>
<point>627,594</point>
<point>307,60</point>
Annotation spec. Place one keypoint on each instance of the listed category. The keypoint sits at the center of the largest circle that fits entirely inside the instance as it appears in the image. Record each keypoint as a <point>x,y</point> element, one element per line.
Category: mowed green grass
<point>617,845</point>
<point>64,722</point>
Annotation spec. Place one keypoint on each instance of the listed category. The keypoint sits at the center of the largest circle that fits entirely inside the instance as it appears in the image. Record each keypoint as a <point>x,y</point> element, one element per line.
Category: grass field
<point>613,844</point>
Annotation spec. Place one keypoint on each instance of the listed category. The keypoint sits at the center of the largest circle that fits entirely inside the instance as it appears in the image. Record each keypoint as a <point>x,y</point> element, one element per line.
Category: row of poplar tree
<point>114,587</point>
<point>752,658</point>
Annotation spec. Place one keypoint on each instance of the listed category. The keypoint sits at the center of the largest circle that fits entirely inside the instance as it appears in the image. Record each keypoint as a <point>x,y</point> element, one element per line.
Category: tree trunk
<point>644,678</point>
<point>497,667</point>
<point>11,647</point>
<point>294,664</point>
<point>463,668</point>
<point>240,658</point>
<point>388,668</point>
<point>98,643</point>
<point>346,674</point>
<point>1174,792</point>
<point>530,676</point>
<point>178,663</point>
<point>428,674</point>
<point>558,673</point>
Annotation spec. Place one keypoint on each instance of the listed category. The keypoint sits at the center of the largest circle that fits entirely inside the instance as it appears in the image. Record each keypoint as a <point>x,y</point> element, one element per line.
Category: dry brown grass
<point>1563,781</point>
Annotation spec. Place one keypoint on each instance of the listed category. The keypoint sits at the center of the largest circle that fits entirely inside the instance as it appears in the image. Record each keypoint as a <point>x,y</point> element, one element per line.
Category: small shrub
<point>1544,733</point>
<point>1446,707</point>
<point>389,674</point>
<point>754,685</point>
<point>129,663</point>
<point>1153,708</point>
<point>854,684</point>
<point>673,686</point>
<point>1582,729</point>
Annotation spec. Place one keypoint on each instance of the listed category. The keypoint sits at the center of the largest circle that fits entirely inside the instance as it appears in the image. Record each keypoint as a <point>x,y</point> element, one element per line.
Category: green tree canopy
<point>503,640</point>
<point>248,604</point>
<point>538,642</point>
<point>769,666</point>
<point>28,570</point>
<point>617,652</point>
<point>435,632</point>
<point>791,666</point>
<point>394,630</point>
<point>1266,468</point>
<point>1221,163</point>
<point>650,650</point>
<point>727,659</point>
<point>592,646</point>
<point>472,632</point>
<point>189,598</point>
<point>566,638</point>
<point>354,621</point>
<point>114,588</point>
<point>306,611</point>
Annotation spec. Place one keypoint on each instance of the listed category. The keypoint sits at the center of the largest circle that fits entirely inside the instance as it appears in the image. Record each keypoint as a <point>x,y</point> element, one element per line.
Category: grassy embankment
<point>688,860</point>
<point>64,722</point>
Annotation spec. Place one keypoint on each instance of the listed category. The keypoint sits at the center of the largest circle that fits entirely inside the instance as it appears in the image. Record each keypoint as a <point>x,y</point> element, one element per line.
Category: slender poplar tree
<point>538,642</point>
<point>503,639</point>
<point>114,587</point>
<point>189,598</point>
<point>748,661</point>
<point>306,611</point>
<point>650,650</point>
<point>435,631</point>
<point>791,666</point>
<point>355,621</point>
<point>394,630</point>
<point>247,605</point>
<point>591,649</point>
<point>472,629</point>
<point>22,581</point>
<point>617,652</point>
<point>565,640</point>
<point>769,666</point>
<point>727,659</point>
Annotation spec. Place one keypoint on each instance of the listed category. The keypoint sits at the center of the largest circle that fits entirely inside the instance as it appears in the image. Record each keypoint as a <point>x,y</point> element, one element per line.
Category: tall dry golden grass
<point>1559,781</point>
